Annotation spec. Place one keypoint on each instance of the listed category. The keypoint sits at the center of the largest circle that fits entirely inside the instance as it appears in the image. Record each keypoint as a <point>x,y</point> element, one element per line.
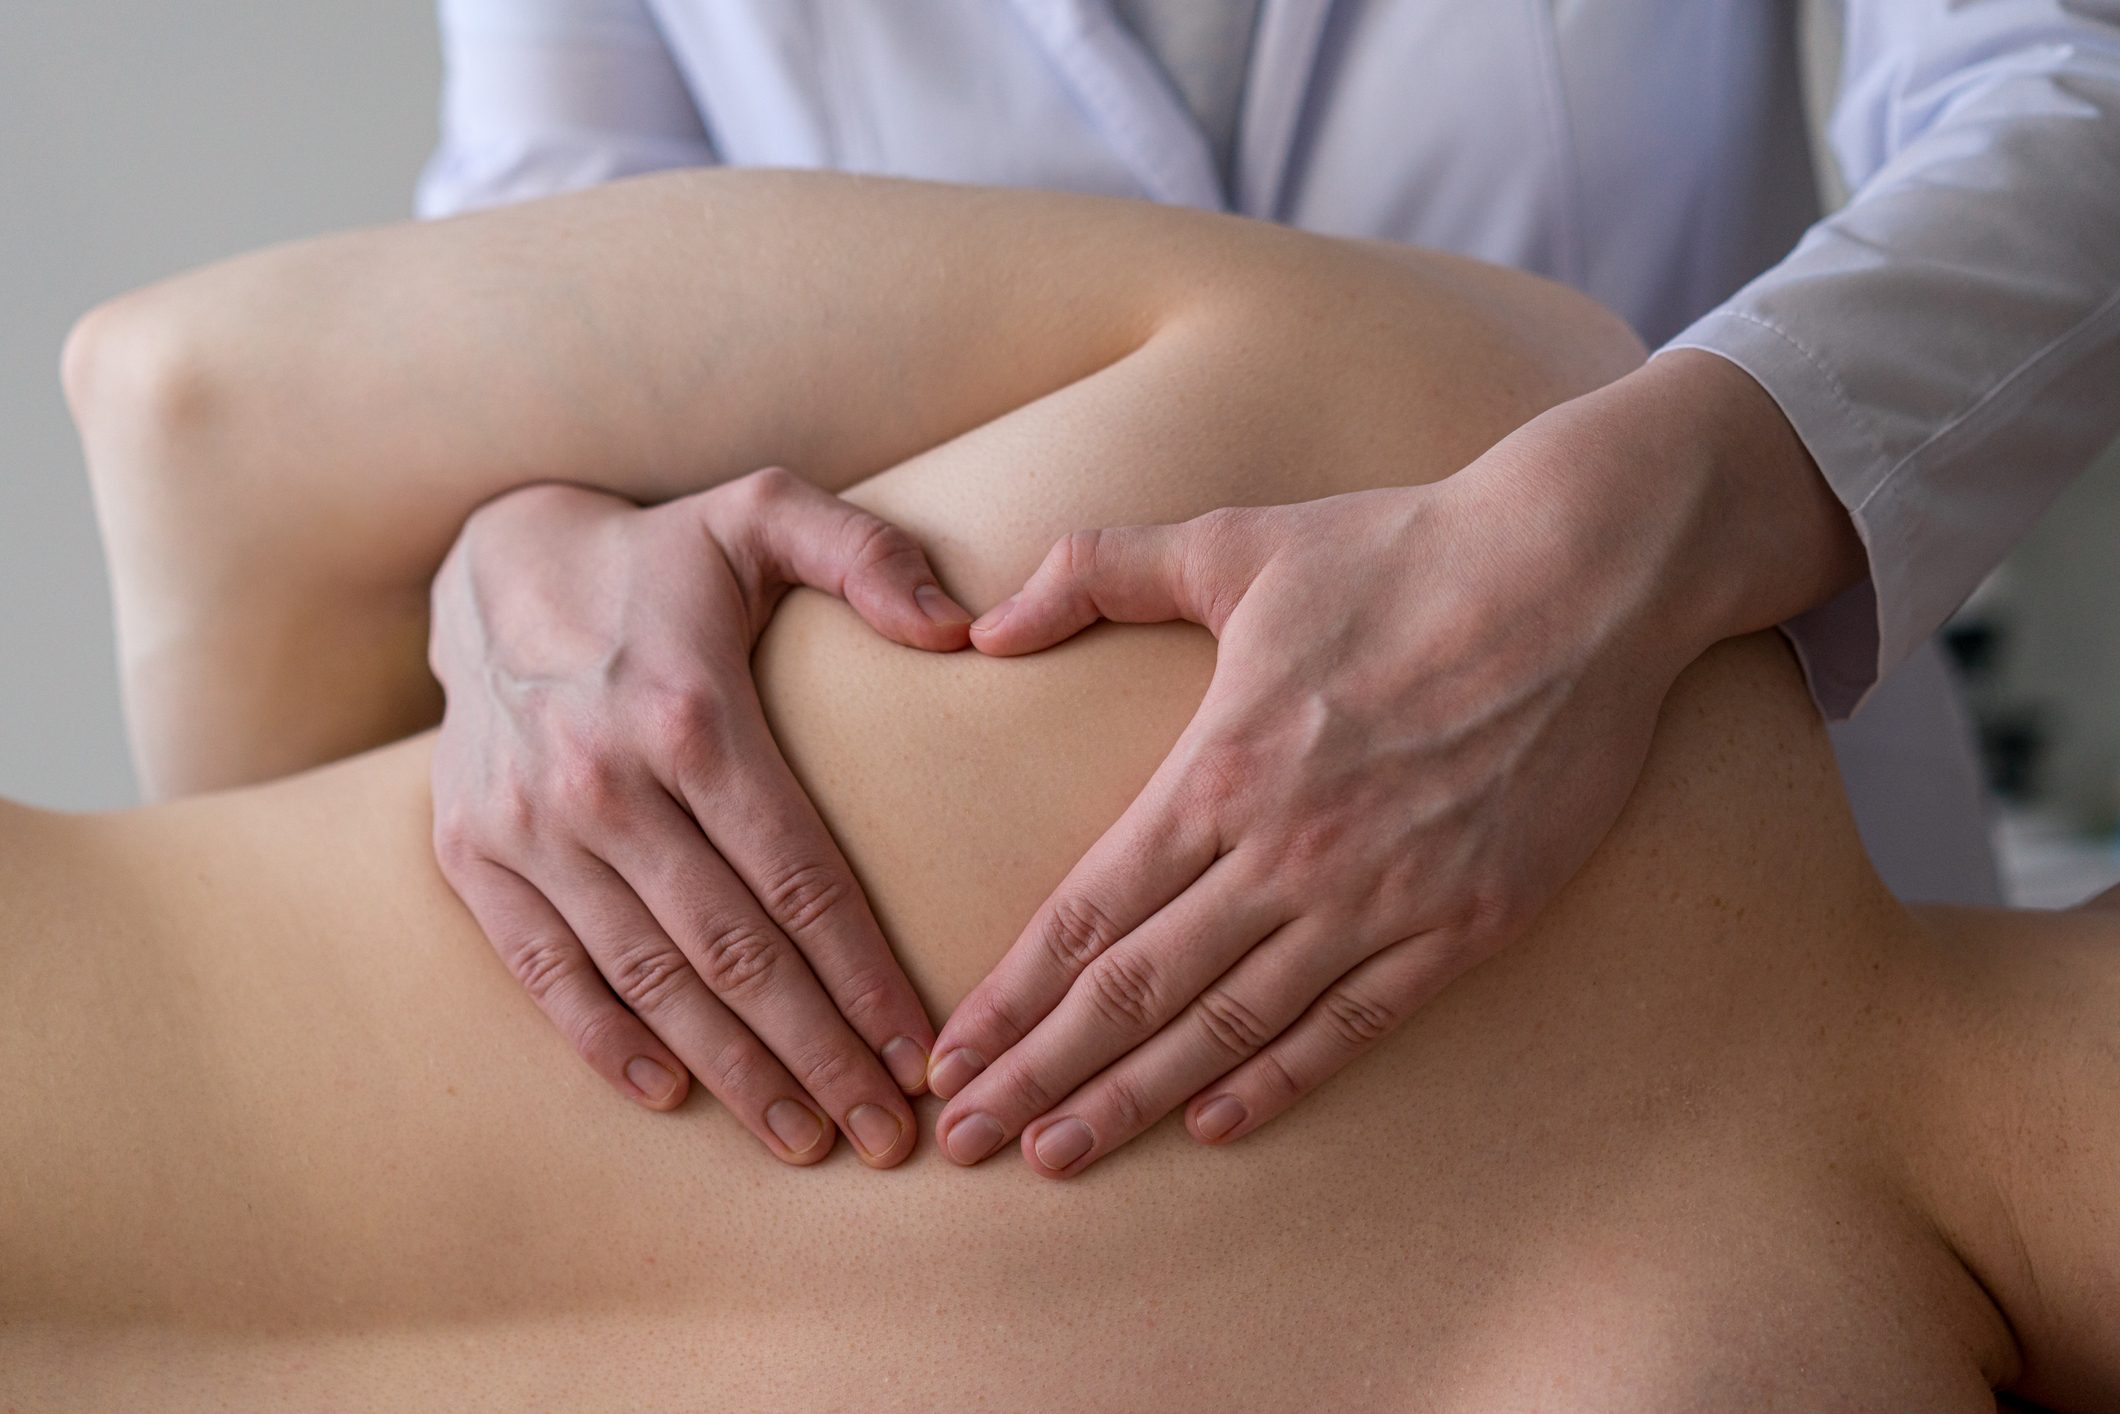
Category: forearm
<point>284,446</point>
<point>1761,537</point>
<point>1682,508</point>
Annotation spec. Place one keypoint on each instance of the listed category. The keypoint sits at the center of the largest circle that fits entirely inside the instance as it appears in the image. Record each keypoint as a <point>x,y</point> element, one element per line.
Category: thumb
<point>1142,574</point>
<point>791,532</point>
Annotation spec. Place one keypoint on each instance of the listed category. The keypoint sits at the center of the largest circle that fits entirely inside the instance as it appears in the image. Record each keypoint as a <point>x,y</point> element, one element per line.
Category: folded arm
<point>285,445</point>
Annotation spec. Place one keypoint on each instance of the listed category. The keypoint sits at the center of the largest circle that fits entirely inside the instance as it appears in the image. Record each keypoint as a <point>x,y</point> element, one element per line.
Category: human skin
<point>258,509</point>
<point>1723,1130</point>
<point>1582,562</point>
<point>1426,711</point>
<point>686,946</point>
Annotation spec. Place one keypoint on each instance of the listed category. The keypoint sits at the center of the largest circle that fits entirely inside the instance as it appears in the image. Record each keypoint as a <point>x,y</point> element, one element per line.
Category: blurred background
<point>138,138</point>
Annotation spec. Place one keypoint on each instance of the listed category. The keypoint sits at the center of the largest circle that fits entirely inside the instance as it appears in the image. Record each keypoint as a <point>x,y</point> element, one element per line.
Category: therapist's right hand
<point>612,808</point>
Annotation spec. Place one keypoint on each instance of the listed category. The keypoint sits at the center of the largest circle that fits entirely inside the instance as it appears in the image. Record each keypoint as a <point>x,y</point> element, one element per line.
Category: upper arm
<point>545,96</point>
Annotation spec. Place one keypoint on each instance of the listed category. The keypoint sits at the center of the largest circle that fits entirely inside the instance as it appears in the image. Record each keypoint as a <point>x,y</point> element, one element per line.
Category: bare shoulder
<point>1546,317</point>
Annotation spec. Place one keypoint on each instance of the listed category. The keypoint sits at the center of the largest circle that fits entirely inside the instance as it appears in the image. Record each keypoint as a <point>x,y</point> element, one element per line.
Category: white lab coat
<point>1947,345</point>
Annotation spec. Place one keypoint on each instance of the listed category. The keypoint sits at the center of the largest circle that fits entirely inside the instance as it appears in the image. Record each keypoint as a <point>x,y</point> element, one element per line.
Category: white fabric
<point>1948,345</point>
<point>1205,49</point>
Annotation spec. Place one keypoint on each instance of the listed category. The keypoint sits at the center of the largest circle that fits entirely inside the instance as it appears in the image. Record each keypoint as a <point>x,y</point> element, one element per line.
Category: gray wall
<point>136,139</point>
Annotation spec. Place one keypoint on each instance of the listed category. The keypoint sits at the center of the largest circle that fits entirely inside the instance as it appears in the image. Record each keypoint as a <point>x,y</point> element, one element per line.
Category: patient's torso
<point>298,1138</point>
<point>1632,1164</point>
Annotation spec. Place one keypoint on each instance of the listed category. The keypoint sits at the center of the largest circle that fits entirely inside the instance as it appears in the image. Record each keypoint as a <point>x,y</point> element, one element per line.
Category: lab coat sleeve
<point>544,96</point>
<point>1947,344</point>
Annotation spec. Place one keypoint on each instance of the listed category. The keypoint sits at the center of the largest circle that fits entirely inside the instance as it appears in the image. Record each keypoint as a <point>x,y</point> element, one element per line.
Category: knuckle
<point>1218,771</point>
<point>455,845</point>
<point>518,812</point>
<point>1128,1105</point>
<point>1276,1079</point>
<point>1355,1021</point>
<point>648,975</point>
<point>592,781</point>
<point>1234,1028</point>
<point>827,1070</point>
<point>1214,530</point>
<point>1315,840</point>
<point>988,1023</point>
<point>1077,553</point>
<point>877,544</point>
<point>1451,951</point>
<point>737,1069</point>
<point>739,960</point>
<point>865,996</point>
<point>763,487</point>
<point>1022,1092</point>
<point>1203,555</point>
<point>801,896</point>
<point>602,1033</point>
<point>540,963</point>
<point>1077,931</point>
<point>1123,989</point>
<point>684,723</point>
<point>1493,909</point>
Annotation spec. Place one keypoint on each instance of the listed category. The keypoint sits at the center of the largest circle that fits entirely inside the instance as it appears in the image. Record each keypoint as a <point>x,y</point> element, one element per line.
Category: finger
<point>1134,575</point>
<point>654,978</point>
<point>554,968</point>
<point>1351,1016</point>
<point>1119,1000</point>
<point>791,532</point>
<point>762,821</point>
<point>1149,856</point>
<point>1232,1020</point>
<point>750,965</point>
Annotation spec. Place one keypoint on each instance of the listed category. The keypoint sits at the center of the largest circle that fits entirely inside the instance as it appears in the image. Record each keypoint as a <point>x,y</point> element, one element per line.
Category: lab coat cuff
<point>1847,644</point>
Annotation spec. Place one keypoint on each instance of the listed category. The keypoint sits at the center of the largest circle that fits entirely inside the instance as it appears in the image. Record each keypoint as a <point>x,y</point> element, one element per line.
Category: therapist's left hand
<point>1429,705</point>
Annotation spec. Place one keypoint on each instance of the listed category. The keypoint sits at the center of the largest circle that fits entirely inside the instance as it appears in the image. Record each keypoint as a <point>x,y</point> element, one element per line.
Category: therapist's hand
<point>1428,707</point>
<point>610,804</point>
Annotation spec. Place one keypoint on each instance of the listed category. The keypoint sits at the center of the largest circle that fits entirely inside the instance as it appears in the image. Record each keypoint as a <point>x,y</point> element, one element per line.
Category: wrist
<point>1663,513</point>
<point>1750,533</point>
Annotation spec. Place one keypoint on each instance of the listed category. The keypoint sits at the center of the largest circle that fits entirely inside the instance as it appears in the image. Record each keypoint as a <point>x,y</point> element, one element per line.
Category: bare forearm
<point>285,445</point>
<point>1765,538</point>
<point>648,339</point>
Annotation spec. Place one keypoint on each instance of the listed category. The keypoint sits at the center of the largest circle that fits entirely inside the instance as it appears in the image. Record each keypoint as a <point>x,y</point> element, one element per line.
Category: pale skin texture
<point>1583,563</point>
<point>1729,1127</point>
<point>688,948</point>
<point>1722,1131</point>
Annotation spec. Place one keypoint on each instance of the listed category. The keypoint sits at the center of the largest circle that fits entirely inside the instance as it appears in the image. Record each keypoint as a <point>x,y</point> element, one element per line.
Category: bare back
<point>1646,1159</point>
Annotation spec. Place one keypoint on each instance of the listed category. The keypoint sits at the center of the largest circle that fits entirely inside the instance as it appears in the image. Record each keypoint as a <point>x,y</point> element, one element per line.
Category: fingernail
<point>908,1063</point>
<point>973,1138</point>
<point>991,619</point>
<point>875,1129</point>
<point>651,1078</point>
<point>1063,1143</point>
<point>939,607</point>
<point>796,1126</point>
<point>1219,1116</point>
<point>954,1071</point>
